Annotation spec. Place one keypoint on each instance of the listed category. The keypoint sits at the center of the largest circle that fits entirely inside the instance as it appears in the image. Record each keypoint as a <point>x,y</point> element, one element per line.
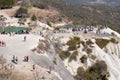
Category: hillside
<point>93,2</point>
<point>31,48</point>
<point>56,11</point>
<point>62,55</point>
<point>86,14</point>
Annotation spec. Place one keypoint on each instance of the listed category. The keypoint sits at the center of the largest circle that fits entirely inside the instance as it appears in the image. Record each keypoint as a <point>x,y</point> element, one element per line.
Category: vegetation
<point>96,72</point>
<point>49,24</point>
<point>5,69</point>
<point>33,18</point>
<point>41,5</point>
<point>73,56</point>
<point>64,54</point>
<point>72,47</point>
<point>83,59</point>
<point>113,40</point>
<point>92,57</point>
<point>72,43</point>
<point>7,3</point>
<point>87,49</point>
<point>54,61</point>
<point>86,14</point>
<point>102,42</point>
<point>89,42</point>
<point>21,13</point>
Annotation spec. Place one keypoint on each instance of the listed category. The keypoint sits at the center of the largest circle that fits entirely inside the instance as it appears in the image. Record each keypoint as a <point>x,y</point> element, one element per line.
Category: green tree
<point>33,18</point>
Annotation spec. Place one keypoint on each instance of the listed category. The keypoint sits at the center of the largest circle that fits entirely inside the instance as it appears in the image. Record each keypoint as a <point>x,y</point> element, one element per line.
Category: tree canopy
<point>6,3</point>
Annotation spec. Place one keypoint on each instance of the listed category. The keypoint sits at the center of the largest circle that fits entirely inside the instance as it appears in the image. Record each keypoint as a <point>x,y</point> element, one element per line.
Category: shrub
<point>64,54</point>
<point>102,42</point>
<point>49,24</point>
<point>83,59</point>
<point>41,5</point>
<point>113,40</point>
<point>89,42</point>
<point>33,18</point>
<point>77,39</point>
<point>113,34</point>
<point>72,47</point>
<point>72,43</point>
<point>92,57</point>
<point>83,43</point>
<point>54,61</point>
<point>7,3</point>
<point>80,73</point>
<point>6,69</point>
<point>21,13</point>
<point>73,56</point>
<point>96,72</point>
<point>89,50</point>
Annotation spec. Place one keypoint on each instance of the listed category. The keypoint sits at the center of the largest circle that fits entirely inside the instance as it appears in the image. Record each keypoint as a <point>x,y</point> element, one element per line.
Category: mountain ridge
<point>106,2</point>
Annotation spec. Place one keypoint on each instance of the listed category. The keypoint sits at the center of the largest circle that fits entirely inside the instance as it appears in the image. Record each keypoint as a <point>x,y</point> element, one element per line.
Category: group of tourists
<point>75,28</point>
<point>26,58</point>
<point>15,59</point>
<point>2,43</point>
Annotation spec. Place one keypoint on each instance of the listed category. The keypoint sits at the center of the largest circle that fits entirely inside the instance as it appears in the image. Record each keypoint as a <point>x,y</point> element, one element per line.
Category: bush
<point>83,59</point>
<point>49,24</point>
<point>96,72</point>
<point>41,5</point>
<point>73,56</point>
<point>113,34</point>
<point>6,3</point>
<point>89,51</point>
<point>102,42</point>
<point>89,42</point>
<point>113,41</point>
<point>64,54</point>
<point>72,47</point>
<point>72,43</point>
<point>33,18</point>
<point>83,43</point>
<point>92,57</point>
<point>54,61</point>
<point>6,69</point>
<point>80,73</point>
<point>21,13</point>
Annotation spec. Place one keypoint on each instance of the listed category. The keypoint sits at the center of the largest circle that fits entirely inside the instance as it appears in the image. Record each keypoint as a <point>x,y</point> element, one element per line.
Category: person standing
<point>24,38</point>
<point>16,60</point>
<point>27,58</point>
<point>33,67</point>
<point>13,59</point>
<point>0,43</point>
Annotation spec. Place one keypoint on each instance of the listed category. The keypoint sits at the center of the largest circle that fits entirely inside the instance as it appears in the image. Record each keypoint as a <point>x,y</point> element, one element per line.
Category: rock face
<point>49,58</point>
<point>87,53</point>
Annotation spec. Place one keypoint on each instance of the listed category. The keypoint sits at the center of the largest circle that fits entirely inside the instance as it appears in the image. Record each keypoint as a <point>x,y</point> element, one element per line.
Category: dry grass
<point>20,76</point>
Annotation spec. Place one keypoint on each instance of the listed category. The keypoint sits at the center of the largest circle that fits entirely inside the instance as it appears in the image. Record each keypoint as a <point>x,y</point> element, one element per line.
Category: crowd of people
<point>77,28</point>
